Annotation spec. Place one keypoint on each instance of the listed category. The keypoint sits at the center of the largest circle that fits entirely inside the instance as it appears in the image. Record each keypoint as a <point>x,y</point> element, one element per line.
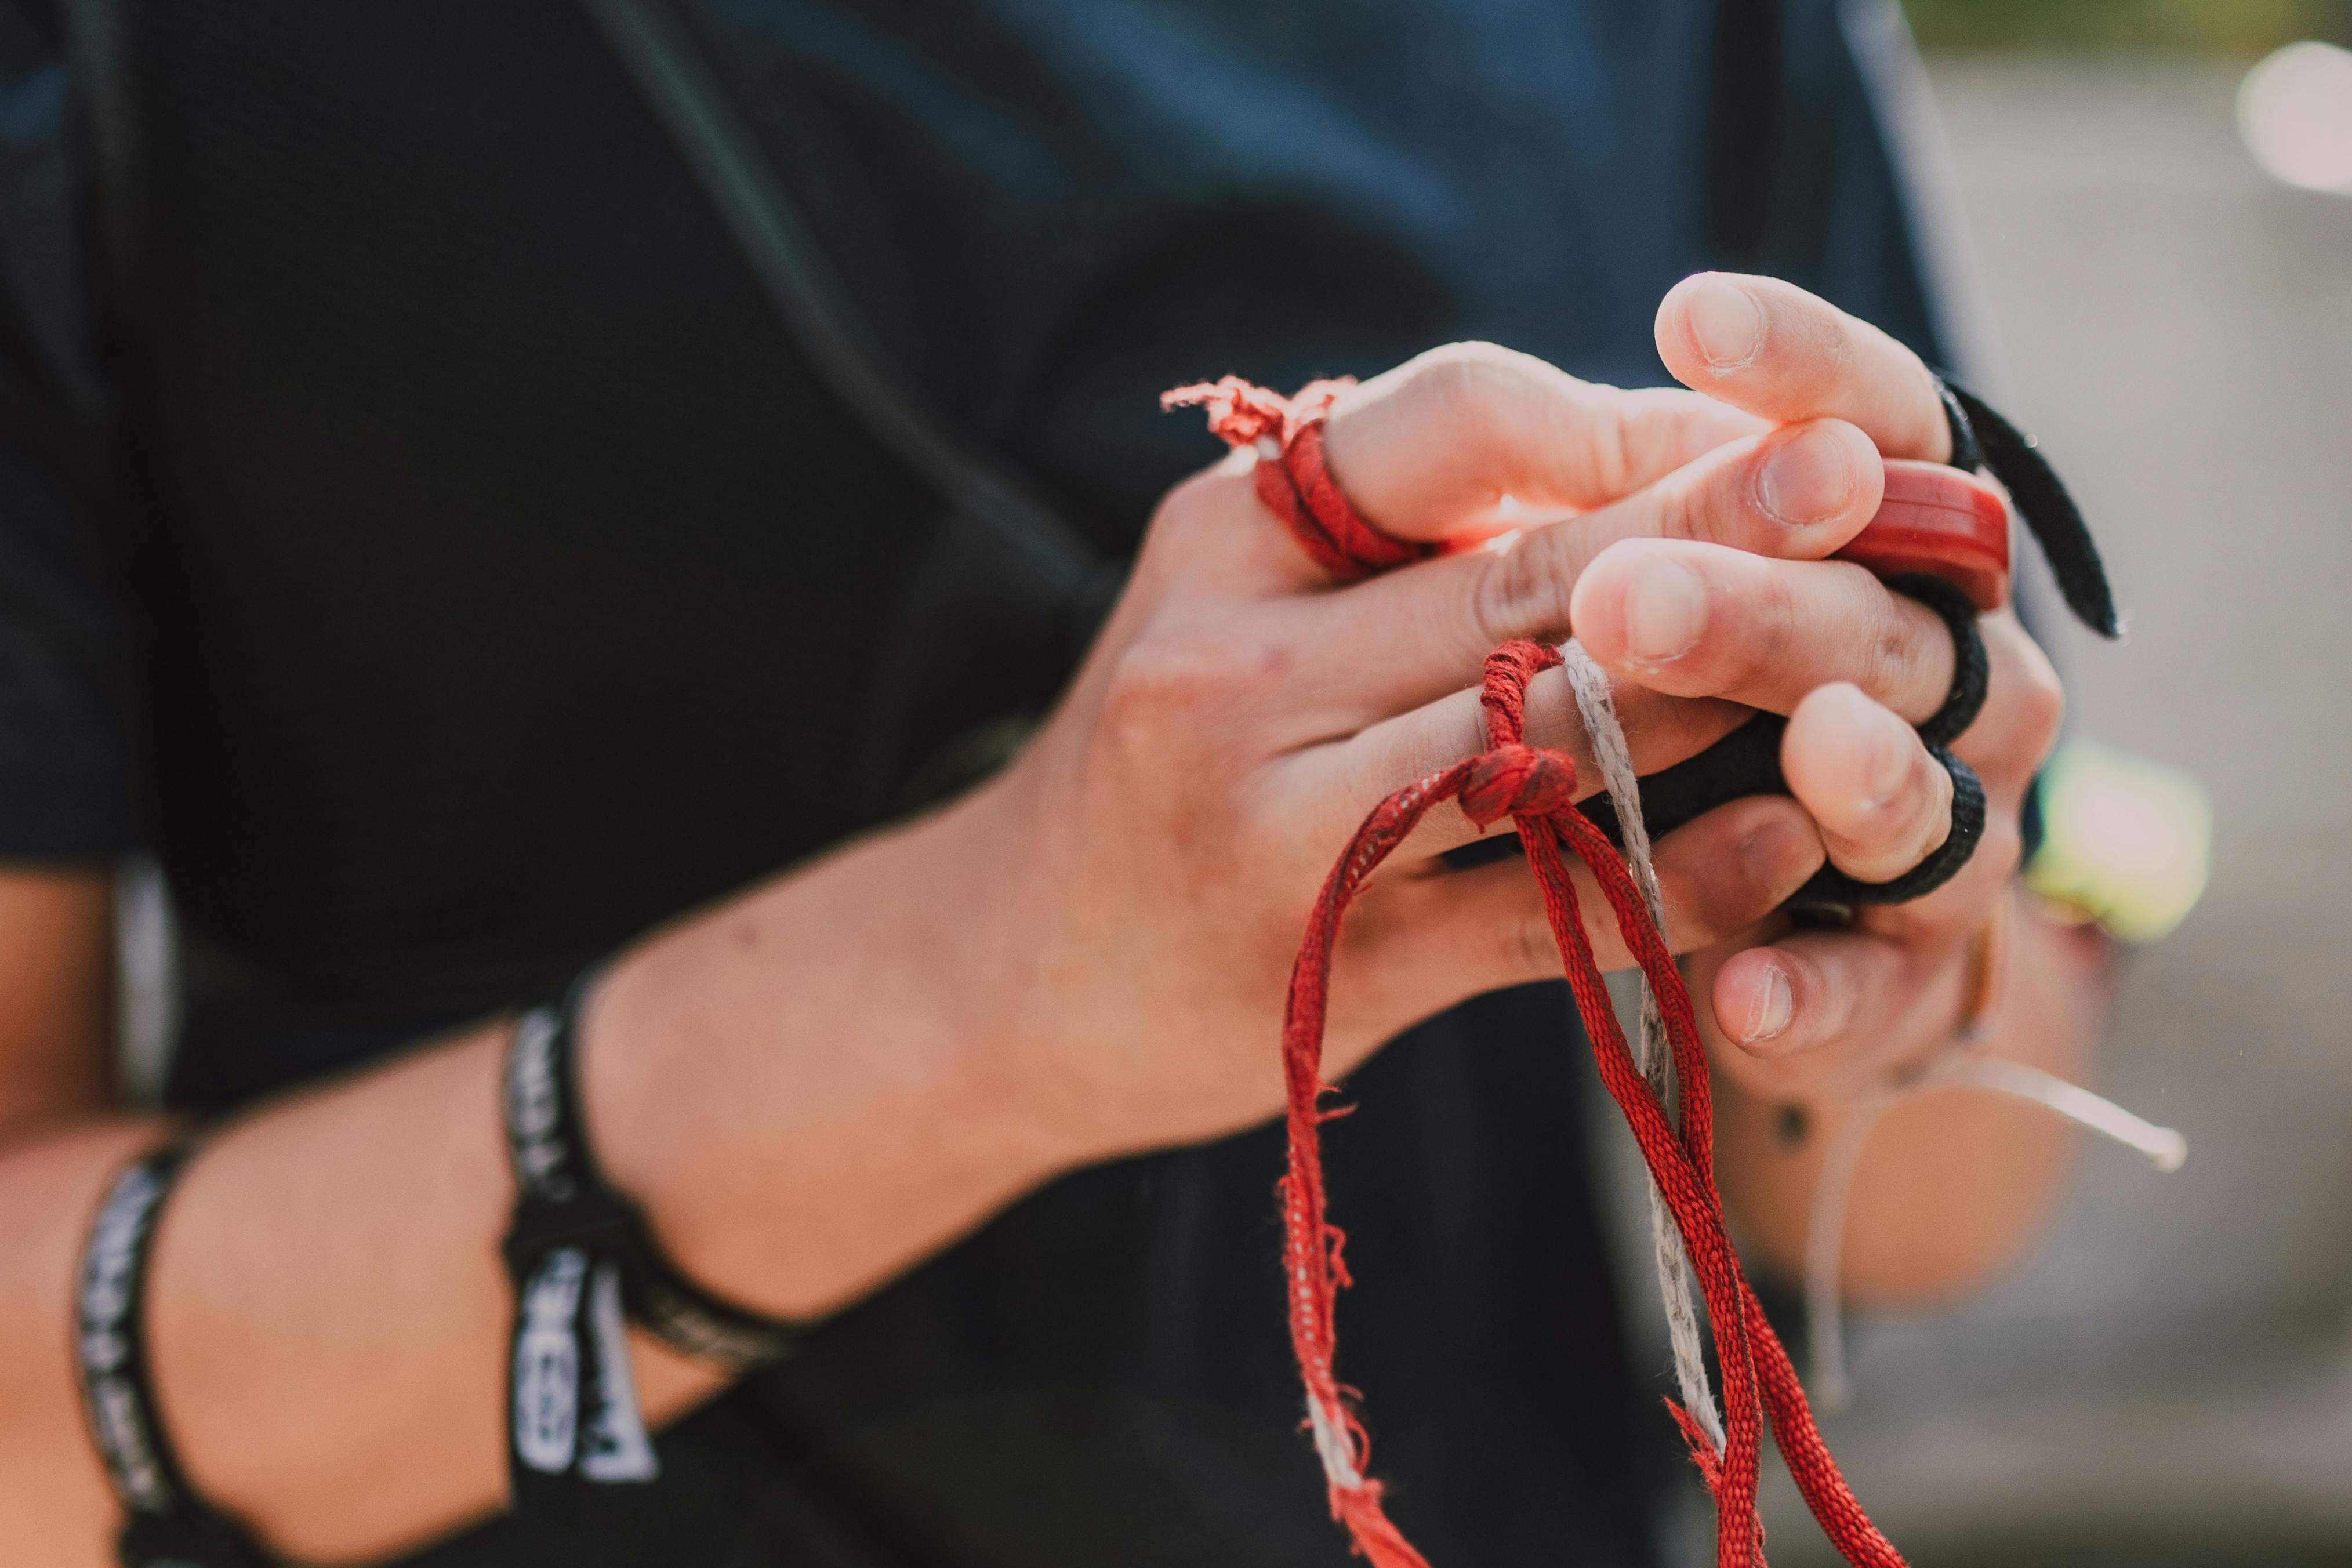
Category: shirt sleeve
<point>70,707</point>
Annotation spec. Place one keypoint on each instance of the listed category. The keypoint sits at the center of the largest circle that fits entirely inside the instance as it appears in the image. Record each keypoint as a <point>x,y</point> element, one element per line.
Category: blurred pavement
<point>2168,1378</point>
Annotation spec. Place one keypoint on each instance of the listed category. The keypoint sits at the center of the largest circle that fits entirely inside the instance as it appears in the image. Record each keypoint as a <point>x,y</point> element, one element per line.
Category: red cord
<point>1536,789</point>
<point>1292,481</point>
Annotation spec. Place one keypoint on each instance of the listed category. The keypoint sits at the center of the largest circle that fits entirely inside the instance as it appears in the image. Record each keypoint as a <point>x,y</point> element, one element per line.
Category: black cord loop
<point>1831,897</point>
<point>1982,437</point>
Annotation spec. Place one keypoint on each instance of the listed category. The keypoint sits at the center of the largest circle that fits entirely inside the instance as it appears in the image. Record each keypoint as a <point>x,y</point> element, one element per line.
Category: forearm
<point>781,1081</point>
<point>1953,1180</point>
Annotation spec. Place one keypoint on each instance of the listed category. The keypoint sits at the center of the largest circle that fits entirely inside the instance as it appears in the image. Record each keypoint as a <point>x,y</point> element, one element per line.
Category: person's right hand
<point>1139,877</point>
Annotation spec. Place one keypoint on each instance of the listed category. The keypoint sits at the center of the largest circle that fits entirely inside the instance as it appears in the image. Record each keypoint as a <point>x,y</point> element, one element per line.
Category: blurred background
<point>2153,227</point>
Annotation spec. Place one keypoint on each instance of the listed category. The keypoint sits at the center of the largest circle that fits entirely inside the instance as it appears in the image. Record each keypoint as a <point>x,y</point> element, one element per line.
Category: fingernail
<point>1770,1006</point>
<point>1806,480</point>
<point>1665,609</point>
<point>1885,763</point>
<point>1725,323</point>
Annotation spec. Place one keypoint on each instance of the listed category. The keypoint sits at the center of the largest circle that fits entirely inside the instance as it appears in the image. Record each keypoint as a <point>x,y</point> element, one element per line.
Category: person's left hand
<point>1798,1015</point>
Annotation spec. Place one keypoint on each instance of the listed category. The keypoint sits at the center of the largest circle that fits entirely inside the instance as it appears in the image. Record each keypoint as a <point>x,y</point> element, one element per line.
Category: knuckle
<point>1721,503</point>
<point>1749,646</point>
<point>1696,507</point>
<point>1520,593</point>
<point>1892,837</point>
<point>1480,396</point>
<point>1204,495</point>
<point>1464,383</point>
<point>1604,439</point>
<point>1162,683</point>
<point>1464,355</point>
<point>2040,698</point>
<point>1733,512</point>
<point>1893,649</point>
<point>1931,812</point>
<point>1755,644</point>
<point>1702,909</point>
<point>1821,344</point>
<point>1188,518</point>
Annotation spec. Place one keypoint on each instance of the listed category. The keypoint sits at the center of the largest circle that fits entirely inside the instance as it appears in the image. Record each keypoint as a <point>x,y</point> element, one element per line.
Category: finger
<point>1818,1013</point>
<point>1410,636</point>
<point>1327,788</point>
<point>1428,451</point>
<point>1773,349</point>
<point>1882,802</point>
<point>1694,621</point>
<point>1825,1012</point>
<point>1210,544</point>
<point>1485,928</point>
<point>1698,620</point>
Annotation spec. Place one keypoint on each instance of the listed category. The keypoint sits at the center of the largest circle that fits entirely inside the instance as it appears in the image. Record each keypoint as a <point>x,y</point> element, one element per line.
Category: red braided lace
<point>1537,788</point>
<point>1292,481</point>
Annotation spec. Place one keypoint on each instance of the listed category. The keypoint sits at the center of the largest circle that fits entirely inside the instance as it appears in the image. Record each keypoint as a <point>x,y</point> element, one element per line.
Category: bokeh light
<point>2294,110</point>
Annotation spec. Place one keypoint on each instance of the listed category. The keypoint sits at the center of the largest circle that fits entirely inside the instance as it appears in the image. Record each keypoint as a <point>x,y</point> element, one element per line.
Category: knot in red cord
<point>1518,780</point>
<point>1292,480</point>
<point>1239,412</point>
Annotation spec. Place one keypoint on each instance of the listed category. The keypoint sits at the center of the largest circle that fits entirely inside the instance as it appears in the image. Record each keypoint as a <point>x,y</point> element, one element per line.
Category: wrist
<point>800,1086</point>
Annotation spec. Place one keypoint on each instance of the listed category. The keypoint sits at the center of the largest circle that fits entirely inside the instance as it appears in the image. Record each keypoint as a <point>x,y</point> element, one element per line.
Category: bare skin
<point>816,1083</point>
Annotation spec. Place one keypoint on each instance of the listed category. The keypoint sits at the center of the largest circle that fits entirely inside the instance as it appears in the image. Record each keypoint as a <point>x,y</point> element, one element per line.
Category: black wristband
<point>165,1524</point>
<point>582,1260</point>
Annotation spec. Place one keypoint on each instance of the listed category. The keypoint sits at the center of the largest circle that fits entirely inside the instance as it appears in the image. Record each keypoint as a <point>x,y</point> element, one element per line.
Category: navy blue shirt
<point>418,529</point>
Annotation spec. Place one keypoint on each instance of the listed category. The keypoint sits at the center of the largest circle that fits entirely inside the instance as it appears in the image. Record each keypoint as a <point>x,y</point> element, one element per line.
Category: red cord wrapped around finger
<point>1536,789</point>
<point>1293,482</point>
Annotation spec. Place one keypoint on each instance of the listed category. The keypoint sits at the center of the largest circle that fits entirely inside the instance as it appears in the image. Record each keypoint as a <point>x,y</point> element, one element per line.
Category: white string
<point>1825,1244</point>
<point>1825,1225</point>
<point>1590,682</point>
<point>1333,1446</point>
<point>2162,1147</point>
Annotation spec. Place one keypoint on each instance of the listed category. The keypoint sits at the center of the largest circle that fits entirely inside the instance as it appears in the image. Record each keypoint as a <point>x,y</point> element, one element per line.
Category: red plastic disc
<point>1942,521</point>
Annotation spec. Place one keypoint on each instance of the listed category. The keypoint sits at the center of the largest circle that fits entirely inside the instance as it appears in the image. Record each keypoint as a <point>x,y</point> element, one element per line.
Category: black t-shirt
<point>418,529</point>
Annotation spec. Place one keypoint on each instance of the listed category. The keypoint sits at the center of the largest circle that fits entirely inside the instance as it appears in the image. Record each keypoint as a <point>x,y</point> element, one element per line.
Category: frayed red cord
<point>1380,1542</point>
<point>1536,788</point>
<point>1292,480</point>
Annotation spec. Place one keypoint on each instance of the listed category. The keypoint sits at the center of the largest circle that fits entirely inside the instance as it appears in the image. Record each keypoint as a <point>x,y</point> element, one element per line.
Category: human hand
<point>1800,1015</point>
<point>1142,875</point>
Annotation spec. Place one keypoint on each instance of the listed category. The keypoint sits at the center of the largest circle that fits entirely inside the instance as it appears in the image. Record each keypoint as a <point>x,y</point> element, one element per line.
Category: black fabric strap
<point>1831,896</point>
<point>584,1261</point>
<point>165,1524</point>
<point>1747,762</point>
<point>1982,438</point>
